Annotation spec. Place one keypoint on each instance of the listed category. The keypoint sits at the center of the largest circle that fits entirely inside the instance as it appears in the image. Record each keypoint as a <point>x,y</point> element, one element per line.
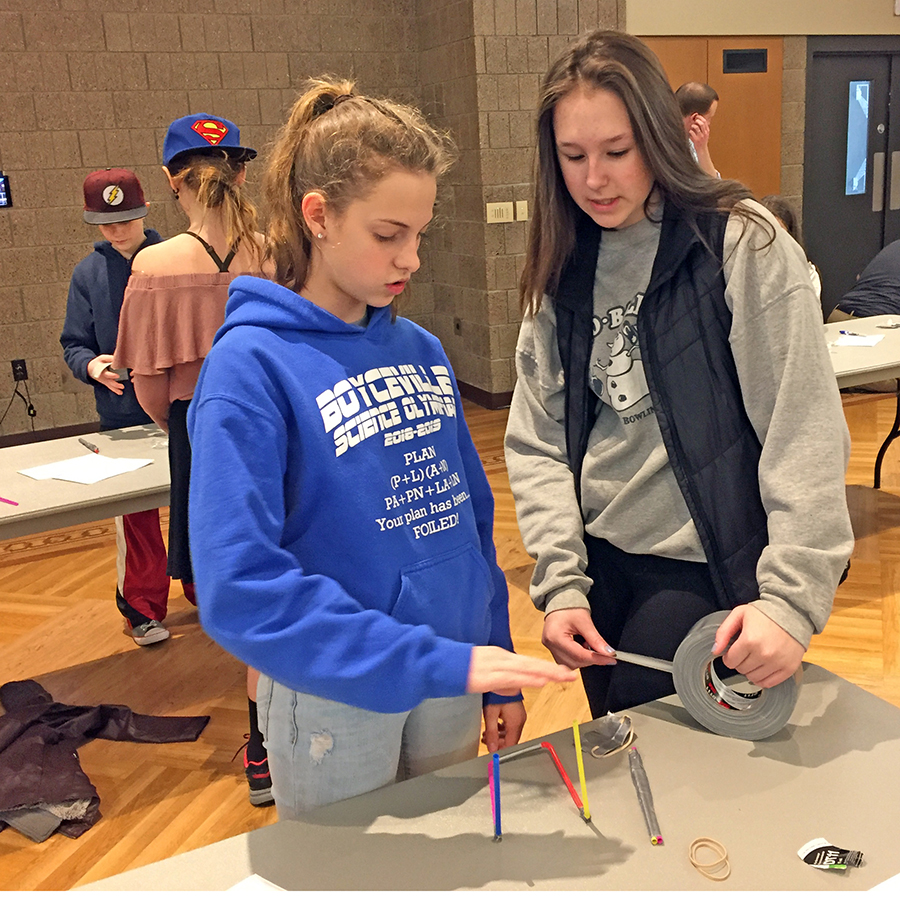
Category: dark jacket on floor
<point>39,765</point>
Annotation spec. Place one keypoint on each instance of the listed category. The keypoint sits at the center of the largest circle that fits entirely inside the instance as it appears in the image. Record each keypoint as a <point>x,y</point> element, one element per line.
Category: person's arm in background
<point>152,392</point>
<point>699,134</point>
<point>81,350</point>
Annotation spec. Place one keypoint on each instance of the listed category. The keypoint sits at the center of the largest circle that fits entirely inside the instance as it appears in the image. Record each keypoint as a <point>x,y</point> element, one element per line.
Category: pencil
<point>495,791</point>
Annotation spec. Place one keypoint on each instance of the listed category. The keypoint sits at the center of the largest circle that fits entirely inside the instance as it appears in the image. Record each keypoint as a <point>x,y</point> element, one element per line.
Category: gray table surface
<point>856,365</point>
<point>830,773</point>
<point>53,504</point>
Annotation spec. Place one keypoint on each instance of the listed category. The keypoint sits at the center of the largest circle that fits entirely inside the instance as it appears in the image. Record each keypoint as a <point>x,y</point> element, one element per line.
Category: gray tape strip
<point>648,662</point>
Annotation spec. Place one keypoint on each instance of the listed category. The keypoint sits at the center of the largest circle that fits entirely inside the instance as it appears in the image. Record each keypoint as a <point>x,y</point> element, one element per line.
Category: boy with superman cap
<point>114,202</point>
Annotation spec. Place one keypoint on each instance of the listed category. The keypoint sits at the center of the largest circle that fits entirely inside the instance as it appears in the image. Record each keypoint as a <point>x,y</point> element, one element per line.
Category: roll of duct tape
<point>744,714</point>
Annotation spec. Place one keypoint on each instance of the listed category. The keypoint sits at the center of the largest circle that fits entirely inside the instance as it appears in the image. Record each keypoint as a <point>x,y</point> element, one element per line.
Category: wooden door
<point>745,137</point>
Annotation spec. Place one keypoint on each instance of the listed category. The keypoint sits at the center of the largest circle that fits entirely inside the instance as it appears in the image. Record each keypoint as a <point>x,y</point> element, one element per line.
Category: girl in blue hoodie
<point>342,517</point>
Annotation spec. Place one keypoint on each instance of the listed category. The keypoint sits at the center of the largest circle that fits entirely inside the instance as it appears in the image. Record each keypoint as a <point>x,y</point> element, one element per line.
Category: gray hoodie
<point>630,496</point>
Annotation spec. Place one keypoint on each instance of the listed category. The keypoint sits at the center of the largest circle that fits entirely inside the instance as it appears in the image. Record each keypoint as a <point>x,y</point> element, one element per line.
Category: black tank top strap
<point>222,264</point>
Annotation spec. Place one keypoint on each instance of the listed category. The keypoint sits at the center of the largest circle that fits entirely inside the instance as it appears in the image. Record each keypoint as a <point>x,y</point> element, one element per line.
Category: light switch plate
<point>500,212</point>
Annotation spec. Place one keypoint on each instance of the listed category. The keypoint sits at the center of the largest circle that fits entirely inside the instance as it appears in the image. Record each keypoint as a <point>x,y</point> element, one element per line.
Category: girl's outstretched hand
<point>763,650</point>
<point>498,670</point>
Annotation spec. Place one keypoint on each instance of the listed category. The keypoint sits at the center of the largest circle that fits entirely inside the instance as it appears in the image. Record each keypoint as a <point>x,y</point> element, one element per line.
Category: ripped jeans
<point>321,751</point>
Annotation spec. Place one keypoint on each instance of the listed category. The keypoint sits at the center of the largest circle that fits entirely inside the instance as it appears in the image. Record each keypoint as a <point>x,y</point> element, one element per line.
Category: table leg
<point>893,434</point>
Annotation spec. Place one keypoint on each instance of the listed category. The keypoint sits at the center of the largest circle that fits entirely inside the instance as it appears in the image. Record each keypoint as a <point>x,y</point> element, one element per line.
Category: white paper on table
<point>858,340</point>
<point>92,467</point>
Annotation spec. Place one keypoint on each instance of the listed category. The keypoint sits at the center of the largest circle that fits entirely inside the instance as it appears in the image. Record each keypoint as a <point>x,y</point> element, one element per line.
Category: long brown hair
<point>340,144</point>
<point>213,177</point>
<point>625,66</point>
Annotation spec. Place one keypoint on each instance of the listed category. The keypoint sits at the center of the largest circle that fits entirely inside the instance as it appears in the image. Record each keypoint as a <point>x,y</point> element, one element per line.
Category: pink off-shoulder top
<point>166,329</point>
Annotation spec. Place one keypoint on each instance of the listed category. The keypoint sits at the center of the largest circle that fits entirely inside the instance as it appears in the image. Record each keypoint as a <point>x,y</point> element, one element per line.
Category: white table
<point>857,365</point>
<point>830,773</point>
<point>53,504</point>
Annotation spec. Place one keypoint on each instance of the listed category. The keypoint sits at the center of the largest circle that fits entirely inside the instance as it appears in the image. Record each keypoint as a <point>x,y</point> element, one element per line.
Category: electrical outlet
<point>19,371</point>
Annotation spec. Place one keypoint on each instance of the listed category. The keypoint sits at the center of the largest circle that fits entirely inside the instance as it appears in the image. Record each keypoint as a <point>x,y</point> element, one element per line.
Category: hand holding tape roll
<point>711,702</point>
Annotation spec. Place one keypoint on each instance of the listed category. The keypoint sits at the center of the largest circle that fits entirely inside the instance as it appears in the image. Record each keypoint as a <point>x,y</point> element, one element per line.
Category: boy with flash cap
<point>114,202</point>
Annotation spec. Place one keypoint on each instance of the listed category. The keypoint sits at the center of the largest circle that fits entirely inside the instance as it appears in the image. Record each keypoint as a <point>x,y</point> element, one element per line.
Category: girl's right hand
<point>562,626</point>
<point>498,670</point>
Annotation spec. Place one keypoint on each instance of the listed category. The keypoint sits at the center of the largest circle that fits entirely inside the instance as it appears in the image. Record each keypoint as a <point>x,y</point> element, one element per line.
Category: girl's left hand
<point>763,650</point>
<point>503,725</point>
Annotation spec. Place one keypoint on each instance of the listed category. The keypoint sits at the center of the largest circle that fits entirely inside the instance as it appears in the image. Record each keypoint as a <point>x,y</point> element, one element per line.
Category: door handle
<point>878,181</point>
<point>895,180</point>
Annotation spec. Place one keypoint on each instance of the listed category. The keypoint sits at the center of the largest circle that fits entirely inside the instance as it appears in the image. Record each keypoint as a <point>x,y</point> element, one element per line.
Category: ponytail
<point>339,144</point>
<point>214,179</point>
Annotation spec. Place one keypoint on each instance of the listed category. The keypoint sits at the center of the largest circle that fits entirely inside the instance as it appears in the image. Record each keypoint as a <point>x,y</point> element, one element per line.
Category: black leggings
<point>641,604</point>
<point>179,561</point>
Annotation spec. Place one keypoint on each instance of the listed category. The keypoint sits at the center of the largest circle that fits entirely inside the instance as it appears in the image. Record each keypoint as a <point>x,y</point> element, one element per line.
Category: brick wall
<point>493,54</point>
<point>89,84</point>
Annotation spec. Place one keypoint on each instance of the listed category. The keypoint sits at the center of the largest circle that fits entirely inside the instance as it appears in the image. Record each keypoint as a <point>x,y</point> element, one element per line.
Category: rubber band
<point>598,752</point>
<point>717,870</point>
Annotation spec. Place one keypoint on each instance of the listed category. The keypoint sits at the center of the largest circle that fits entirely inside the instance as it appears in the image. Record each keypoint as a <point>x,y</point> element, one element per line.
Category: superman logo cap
<point>199,133</point>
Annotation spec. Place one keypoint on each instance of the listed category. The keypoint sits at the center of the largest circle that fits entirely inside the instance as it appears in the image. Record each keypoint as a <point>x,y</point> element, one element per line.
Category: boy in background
<point>114,202</point>
<point>698,103</point>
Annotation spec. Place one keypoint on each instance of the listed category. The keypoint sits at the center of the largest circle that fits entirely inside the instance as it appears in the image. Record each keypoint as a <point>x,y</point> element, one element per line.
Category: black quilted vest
<point>683,326</point>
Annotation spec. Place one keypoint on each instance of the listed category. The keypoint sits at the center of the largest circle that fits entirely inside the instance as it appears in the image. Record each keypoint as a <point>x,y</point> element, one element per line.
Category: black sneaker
<point>258,779</point>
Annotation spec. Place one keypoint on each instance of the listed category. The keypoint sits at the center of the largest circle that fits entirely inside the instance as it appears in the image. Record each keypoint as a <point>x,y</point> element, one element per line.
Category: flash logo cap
<point>113,195</point>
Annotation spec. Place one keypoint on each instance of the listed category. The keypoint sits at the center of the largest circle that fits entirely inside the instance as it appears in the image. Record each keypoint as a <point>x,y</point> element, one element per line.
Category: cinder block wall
<point>481,66</point>
<point>793,119</point>
<point>90,84</point>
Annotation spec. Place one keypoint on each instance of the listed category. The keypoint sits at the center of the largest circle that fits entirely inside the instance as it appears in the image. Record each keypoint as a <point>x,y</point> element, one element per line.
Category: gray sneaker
<point>150,632</point>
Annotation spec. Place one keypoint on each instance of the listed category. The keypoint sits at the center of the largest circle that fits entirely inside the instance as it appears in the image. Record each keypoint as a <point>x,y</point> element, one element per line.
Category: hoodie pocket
<point>451,593</point>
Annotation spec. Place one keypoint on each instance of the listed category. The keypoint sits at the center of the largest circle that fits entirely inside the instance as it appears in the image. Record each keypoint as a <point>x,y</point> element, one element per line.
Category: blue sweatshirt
<point>340,519</point>
<point>92,325</point>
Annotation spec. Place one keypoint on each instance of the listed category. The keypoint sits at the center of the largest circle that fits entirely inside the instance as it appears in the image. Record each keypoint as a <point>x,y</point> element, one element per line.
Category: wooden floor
<point>59,625</point>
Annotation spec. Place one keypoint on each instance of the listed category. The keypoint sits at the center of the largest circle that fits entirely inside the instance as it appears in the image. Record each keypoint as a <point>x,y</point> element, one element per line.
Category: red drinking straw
<point>562,772</point>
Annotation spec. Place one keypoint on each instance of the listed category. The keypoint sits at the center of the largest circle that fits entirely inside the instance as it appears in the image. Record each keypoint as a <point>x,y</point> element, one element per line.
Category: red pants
<point>143,583</point>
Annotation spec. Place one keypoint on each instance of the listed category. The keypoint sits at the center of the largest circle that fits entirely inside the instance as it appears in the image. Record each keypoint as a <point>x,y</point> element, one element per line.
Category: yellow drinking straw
<point>584,799</point>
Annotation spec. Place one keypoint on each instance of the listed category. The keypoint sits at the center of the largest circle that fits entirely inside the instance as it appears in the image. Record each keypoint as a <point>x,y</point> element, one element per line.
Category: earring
<point>176,193</point>
<point>320,236</point>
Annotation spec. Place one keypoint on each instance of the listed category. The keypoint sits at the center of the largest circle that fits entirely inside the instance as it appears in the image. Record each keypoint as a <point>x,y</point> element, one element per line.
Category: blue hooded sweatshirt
<point>340,519</point>
<point>95,300</point>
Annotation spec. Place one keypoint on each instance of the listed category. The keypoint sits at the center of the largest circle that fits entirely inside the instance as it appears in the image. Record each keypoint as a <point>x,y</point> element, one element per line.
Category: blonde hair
<point>213,177</point>
<point>340,144</point>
